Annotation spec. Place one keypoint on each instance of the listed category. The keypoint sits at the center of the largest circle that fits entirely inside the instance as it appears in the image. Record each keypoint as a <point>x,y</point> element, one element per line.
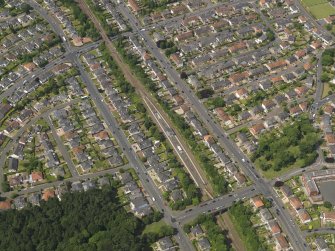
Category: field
<point>309,3</point>
<point>319,8</point>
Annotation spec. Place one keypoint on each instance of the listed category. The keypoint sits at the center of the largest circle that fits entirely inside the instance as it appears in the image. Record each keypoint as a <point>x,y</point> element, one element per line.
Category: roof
<point>4,205</point>
<point>257,201</point>
<point>48,193</point>
<point>295,202</point>
<point>36,176</point>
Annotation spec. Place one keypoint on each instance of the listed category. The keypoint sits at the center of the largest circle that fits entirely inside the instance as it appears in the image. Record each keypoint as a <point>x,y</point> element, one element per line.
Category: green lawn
<point>309,3</point>
<point>155,227</point>
<point>326,89</point>
<point>322,10</point>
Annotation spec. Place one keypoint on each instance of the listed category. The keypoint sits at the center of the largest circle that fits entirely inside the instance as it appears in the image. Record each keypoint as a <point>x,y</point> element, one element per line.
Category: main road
<point>294,233</point>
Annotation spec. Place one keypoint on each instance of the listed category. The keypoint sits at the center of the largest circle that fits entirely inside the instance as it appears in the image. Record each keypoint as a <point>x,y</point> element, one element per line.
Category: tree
<point>327,60</point>
<point>325,77</point>
<point>328,205</point>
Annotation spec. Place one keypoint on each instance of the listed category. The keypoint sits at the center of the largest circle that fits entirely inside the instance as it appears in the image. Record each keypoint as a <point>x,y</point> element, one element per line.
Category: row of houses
<point>270,223</point>
<point>53,192</point>
<point>138,202</point>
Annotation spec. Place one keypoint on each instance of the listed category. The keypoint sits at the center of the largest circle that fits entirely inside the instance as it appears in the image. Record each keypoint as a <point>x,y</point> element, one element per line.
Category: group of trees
<point>296,144</point>
<point>327,58</point>
<point>240,216</point>
<point>214,233</point>
<point>90,221</point>
<point>152,5</point>
<point>86,28</point>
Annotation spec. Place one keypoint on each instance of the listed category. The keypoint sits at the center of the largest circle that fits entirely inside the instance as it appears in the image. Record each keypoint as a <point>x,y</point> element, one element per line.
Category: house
<point>321,244</point>
<point>177,60</point>
<point>4,109</point>
<point>241,93</point>
<point>274,227</point>
<point>134,5</point>
<point>295,203</point>
<point>281,242</point>
<point>267,105</point>
<point>204,244</point>
<point>328,217</point>
<point>330,138</point>
<point>257,202</point>
<point>276,65</point>
<point>304,216</point>
<point>184,36</point>
<point>29,66</point>
<point>140,207</point>
<point>13,165</point>
<point>240,178</point>
<point>5,205</point>
<point>48,193</point>
<point>36,176</point>
<point>286,190</point>
<point>196,231</point>
<point>256,129</point>
<point>165,244</point>
<point>265,215</point>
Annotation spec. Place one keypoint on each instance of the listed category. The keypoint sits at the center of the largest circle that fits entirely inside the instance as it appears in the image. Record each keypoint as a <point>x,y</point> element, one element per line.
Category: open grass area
<point>319,8</point>
<point>309,3</point>
<point>322,10</point>
<point>154,227</point>
<point>326,89</point>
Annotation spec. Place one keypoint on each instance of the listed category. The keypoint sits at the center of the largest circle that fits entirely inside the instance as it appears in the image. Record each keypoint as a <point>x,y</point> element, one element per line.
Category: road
<point>217,205</point>
<point>324,230</point>
<point>62,148</point>
<point>39,188</point>
<point>293,232</point>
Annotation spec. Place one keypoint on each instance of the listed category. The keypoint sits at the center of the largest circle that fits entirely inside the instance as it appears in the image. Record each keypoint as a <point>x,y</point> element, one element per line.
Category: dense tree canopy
<point>92,221</point>
<point>240,215</point>
<point>295,144</point>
